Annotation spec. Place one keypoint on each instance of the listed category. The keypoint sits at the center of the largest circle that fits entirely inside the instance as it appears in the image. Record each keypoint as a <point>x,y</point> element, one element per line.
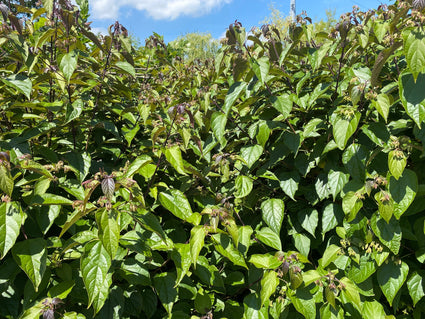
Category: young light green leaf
<point>176,202</point>
<point>351,204</point>
<point>269,237</point>
<point>95,264</point>
<point>331,253</point>
<point>403,191</point>
<point>302,243</point>
<point>11,220</point>
<point>253,309</point>
<point>269,283</point>
<point>396,163</point>
<point>243,186</point>
<point>303,301</point>
<point>137,164</point>
<point>197,237</point>
<point>382,105</point>
<point>68,64</point>
<point>350,292</point>
<point>414,49</point>
<point>173,155</point>
<point>391,276</point>
<point>109,230</point>
<point>251,154</point>
<point>31,256</point>
<point>273,210</point>
<point>373,309</point>
<point>266,261</point>
<point>289,183</point>
<point>343,129</point>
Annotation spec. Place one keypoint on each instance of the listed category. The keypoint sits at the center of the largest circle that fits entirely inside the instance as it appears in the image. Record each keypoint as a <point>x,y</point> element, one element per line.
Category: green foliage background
<point>280,180</point>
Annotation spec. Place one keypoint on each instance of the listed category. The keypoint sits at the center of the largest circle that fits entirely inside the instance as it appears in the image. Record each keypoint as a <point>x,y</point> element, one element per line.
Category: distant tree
<point>195,46</point>
<point>282,22</point>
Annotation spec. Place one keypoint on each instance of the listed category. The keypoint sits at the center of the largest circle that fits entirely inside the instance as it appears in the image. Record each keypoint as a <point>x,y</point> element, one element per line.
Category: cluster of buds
<point>347,113</point>
<point>5,199</point>
<point>50,307</point>
<point>58,167</point>
<point>373,246</point>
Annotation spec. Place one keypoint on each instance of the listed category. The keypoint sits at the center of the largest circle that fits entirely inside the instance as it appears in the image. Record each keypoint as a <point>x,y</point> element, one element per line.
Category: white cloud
<point>157,9</point>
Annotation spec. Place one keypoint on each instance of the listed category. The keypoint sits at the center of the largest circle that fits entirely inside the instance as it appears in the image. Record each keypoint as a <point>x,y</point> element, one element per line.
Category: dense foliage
<point>284,180</point>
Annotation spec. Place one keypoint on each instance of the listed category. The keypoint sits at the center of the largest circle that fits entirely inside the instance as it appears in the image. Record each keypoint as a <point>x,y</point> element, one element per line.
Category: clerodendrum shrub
<point>283,180</point>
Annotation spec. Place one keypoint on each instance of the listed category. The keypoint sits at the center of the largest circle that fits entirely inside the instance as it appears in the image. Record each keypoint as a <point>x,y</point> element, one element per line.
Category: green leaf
<point>80,164</point>
<point>289,183</point>
<point>403,191</point>
<point>174,157</point>
<point>243,186</point>
<point>109,230</point>
<point>412,96</point>
<point>266,261</point>
<point>373,309</point>
<point>337,181</point>
<point>260,67</point>
<point>73,111</point>
<point>197,237</point>
<point>273,211</point>
<point>232,95</point>
<point>224,245</point>
<point>303,301</point>
<point>182,258</point>
<point>203,303</point>
<point>391,276</point>
<point>332,216</point>
<point>414,49</point>
<point>388,233</point>
<point>382,105</point>
<point>21,83</point>
<point>351,292</point>
<point>396,163</point>
<point>68,64</point>
<point>269,237</point>
<point>331,253</point>
<point>415,284</point>
<point>95,264</point>
<point>385,205</point>
<point>136,165</point>
<point>302,243</point>
<point>251,154</point>
<point>11,220</point>
<point>351,204</point>
<point>167,293</point>
<point>126,67</point>
<point>329,312</point>
<point>365,268</point>
<point>48,5</point>
<point>175,201</point>
<point>343,129</point>
<point>309,219</point>
<point>6,180</point>
<point>283,104</point>
<point>253,309</point>
<point>218,126</point>
<point>31,256</point>
<point>50,199</point>
<point>269,283</point>
<point>354,158</point>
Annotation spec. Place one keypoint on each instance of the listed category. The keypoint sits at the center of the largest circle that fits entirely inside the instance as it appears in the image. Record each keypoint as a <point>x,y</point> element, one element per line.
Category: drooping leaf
<point>309,219</point>
<point>21,83</point>
<point>414,48</point>
<point>11,220</point>
<point>109,230</point>
<point>416,286</point>
<point>269,237</point>
<point>283,104</point>
<point>164,284</point>
<point>174,157</point>
<point>95,264</point>
<point>31,256</point>
<point>331,253</point>
<point>224,245</point>
<point>126,67</point>
<point>197,236</point>
<point>6,181</point>
<point>232,95</point>
<point>403,191</point>
<point>269,283</point>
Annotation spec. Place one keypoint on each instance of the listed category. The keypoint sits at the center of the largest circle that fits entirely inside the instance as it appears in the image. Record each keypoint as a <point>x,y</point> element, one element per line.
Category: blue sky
<point>172,18</point>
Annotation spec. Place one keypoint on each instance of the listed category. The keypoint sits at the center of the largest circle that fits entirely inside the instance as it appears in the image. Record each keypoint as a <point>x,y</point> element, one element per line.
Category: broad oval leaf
<point>273,211</point>
<point>176,202</point>
<point>243,186</point>
<point>11,220</point>
<point>31,256</point>
<point>109,230</point>
<point>173,155</point>
<point>391,276</point>
<point>68,64</point>
<point>403,191</point>
<point>269,237</point>
<point>251,154</point>
<point>412,96</point>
